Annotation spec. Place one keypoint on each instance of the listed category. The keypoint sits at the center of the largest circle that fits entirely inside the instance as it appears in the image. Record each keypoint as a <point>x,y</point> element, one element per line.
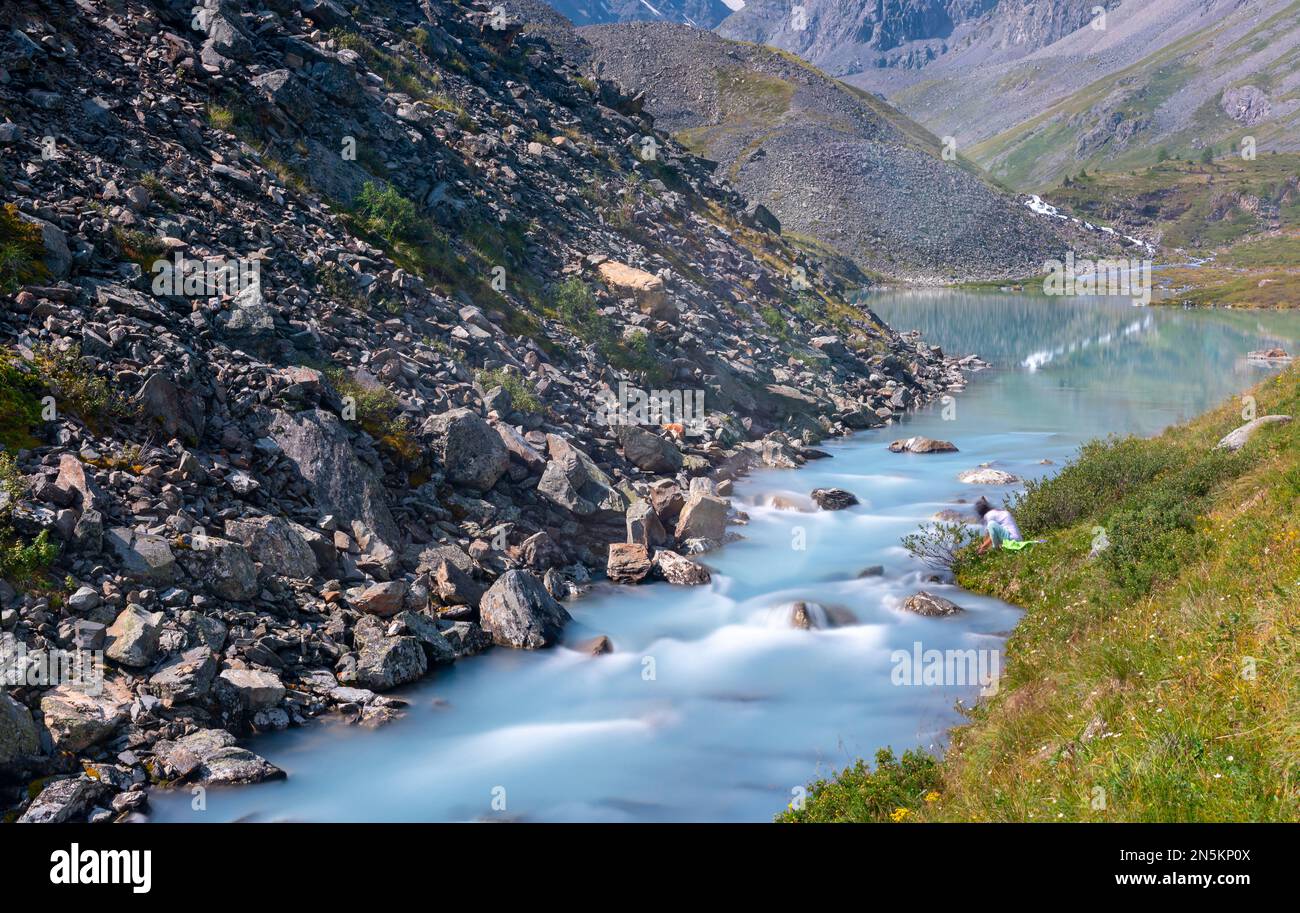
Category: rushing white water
<point>712,707</point>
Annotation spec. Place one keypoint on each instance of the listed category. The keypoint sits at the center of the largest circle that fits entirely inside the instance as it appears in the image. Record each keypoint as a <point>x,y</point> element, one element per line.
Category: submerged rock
<point>930,605</point>
<point>986,476</point>
<point>922,445</point>
<point>834,498</point>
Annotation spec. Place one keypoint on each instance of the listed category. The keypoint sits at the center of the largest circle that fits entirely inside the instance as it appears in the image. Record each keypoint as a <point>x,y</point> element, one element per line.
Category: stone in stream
<point>930,605</point>
<point>922,445</point>
<point>703,517</point>
<point>629,562</point>
<point>595,646</point>
<point>1235,440</point>
<point>679,570</point>
<point>518,612</point>
<point>986,476</point>
<point>834,498</point>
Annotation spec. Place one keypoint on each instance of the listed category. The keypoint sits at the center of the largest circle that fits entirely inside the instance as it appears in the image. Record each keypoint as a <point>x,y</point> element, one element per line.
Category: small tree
<point>938,545</point>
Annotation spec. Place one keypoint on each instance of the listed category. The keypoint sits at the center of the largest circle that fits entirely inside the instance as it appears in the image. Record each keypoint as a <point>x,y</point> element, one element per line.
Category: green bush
<point>21,251</point>
<point>386,213</point>
<point>20,406</point>
<point>77,388</point>
<point>522,395</point>
<point>1104,472</point>
<point>891,792</point>
<point>21,562</point>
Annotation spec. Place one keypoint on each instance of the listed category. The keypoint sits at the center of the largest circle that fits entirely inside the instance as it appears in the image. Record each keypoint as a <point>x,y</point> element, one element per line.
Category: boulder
<point>922,445</point>
<point>64,800</point>
<point>1235,440</point>
<point>278,545</point>
<point>178,412</point>
<point>703,517</point>
<point>229,571</point>
<point>833,498</point>
<point>185,677</point>
<point>317,444</point>
<point>574,481</point>
<point>437,649</point>
<point>82,491</point>
<point>382,599</point>
<point>646,288</point>
<point>679,570</point>
<point>643,525</point>
<point>18,738</point>
<point>140,556</point>
<point>257,689</point>
<point>211,756</point>
<point>628,562</point>
<point>518,612</point>
<point>133,637</point>
<point>77,719</point>
<point>470,450</point>
<point>930,605</point>
<point>667,498</point>
<point>986,476</point>
<point>647,450</point>
<point>384,663</point>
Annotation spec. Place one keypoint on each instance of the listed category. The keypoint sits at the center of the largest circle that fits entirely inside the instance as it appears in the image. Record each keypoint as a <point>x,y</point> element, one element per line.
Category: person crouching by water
<point>1000,529</point>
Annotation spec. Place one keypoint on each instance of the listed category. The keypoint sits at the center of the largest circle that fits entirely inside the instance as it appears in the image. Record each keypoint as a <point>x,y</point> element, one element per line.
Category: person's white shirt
<point>1007,521</point>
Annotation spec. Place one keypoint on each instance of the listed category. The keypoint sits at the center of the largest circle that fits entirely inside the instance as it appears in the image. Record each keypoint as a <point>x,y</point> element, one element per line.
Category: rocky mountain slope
<point>1033,90</point>
<point>315,329</point>
<point>832,163</point>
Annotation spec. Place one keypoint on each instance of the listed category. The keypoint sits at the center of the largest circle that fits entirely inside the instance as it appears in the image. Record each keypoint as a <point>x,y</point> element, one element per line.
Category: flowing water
<point>713,707</point>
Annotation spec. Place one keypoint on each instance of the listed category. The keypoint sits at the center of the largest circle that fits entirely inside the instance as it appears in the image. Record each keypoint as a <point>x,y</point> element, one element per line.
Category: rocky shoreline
<point>408,442</point>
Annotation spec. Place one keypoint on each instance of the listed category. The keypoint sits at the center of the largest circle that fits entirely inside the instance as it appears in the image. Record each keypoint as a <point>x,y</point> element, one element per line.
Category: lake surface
<point>713,707</point>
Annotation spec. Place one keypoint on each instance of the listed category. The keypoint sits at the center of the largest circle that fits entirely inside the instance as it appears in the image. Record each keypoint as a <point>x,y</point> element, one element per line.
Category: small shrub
<point>139,247</point>
<point>20,561</point>
<point>521,393</point>
<point>384,212</point>
<point>20,406</point>
<point>21,251</point>
<point>76,386</point>
<point>940,545</point>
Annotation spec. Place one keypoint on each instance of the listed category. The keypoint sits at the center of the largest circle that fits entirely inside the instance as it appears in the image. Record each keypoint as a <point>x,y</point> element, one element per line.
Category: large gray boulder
<point>574,481</point>
<point>185,677</point>
<point>703,517</point>
<point>470,450</point>
<point>278,545</point>
<point>647,450</point>
<point>18,737</point>
<point>518,612</point>
<point>77,719</point>
<point>65,800</point>
<point>1235,440</point>
<point>211,756</point>
<point>383,661</point>
<point>143,557</point>
<point>133,637</point>
<point>316,442</point>
<point>257,690</point>
<point>227,568</point>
